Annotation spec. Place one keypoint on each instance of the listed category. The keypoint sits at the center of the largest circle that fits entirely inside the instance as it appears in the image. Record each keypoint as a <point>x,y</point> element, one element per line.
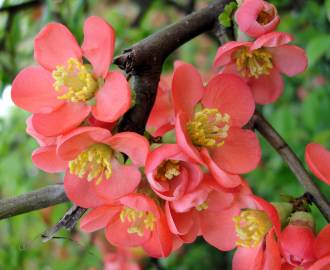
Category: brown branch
<point>22,6</point>
<point>35,200</point>
<point>296,166</point>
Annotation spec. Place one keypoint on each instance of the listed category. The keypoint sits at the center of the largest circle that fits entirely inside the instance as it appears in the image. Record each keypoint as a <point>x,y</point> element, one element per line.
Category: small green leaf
<point>225,17</point>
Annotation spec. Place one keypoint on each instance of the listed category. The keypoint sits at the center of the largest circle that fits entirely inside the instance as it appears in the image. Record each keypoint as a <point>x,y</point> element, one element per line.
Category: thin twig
<point>296,166</point>
<point>22,6</point>
<point>35,200</point>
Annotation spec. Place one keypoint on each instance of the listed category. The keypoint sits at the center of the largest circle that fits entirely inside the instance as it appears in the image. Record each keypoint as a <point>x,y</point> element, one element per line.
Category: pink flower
<point>171,173</point>
<point>322,250</point>
<point>96,165</point>
<point>134,220</point>
<point>59,91</point>
<point>209,122</point>
<point>261,63</point>
<point>257,228</point>
<point>207,211</point>
<point>257,17</point>
<point>297,245</point>
<point>318,160</point>
<point>161,118</point>
<point>121,259</point>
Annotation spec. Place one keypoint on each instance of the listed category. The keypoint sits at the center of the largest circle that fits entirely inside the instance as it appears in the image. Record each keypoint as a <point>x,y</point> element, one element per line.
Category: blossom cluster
<point>161,194</point>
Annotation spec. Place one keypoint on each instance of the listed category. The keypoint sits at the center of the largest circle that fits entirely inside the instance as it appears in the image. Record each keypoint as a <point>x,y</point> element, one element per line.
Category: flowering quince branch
<point>271,135</point>
<point>35,200</point>
<point>189,188</point>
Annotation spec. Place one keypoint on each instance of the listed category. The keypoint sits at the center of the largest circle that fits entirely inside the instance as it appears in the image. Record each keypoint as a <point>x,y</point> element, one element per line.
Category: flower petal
<point>54,45</point>
<point>160,243</point>
<point>46,159</point>
<point>322,264</point>
<point>218,228</point>
<point>247,259</point>
<point>113,99</point>
<point>228,92</point>
<point>187,88</point>
<point>267,88</point>
<point>183,139</point>
<point>224,53</point>
<point>99,44</point>
<point>64,119</point>
<point>273,39</point>
<point>240,154</point>
<point>132,144</point>
<point>73,143</point>
<point>98,218</point>
<point>33,91</point>
<point>318,161</point>
<point>224,179</point>
<point>289,59</point>
<point>82,192</point>
<point>321,244</point>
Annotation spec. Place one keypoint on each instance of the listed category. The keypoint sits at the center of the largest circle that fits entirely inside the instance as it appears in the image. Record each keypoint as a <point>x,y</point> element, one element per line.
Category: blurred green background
<point>301,115</point>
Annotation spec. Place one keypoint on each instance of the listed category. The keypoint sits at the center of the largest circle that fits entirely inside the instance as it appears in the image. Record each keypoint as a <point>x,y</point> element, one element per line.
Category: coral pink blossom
<point>322,250</point>
<point>318,160</point>
<point>257,230</point>
<point>261,63</point>
<point>59,91</point>
<point>207,211</point>
<point>209,122</point>
<point>161,118</point>
<point>297,245</point>
<point>121,259</point>
<point>257,17</point>
<point>134,220</point>
<point>171,173</point>
<point>96,164</point>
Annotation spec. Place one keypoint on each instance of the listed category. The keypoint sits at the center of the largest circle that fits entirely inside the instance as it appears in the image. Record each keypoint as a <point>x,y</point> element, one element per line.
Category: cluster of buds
<point>160,196</point>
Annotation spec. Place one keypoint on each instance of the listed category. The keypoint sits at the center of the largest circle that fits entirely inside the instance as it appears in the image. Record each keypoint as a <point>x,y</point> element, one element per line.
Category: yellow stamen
<point>202,206</point>
<point>251,227</point>
<point>75,80</point>
<point>253,63</point>
<point>140,220</point>
<point>94,161</point>
<point>167,170</point>
<point>208,128</point>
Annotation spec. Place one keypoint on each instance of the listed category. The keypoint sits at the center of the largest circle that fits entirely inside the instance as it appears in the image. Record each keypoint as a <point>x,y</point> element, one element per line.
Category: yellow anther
<point>93,163</point>
<point>140,220</point>
<point>167,170</point>
<point>75,81</point>
<point>251,227</point>
<point>209,128</point>
<point>253,63</point>
<point>202,206</point>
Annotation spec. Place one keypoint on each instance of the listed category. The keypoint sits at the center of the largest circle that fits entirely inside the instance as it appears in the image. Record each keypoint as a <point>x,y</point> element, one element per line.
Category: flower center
<point>251,227</point>
<point>208,128</point>
<point>75,81</point>
<point>95,162</point>
<point>202,206</point>
<point>264,17</point>
<point>253,63</point>
<point>140,220</point>
<point>167,170</point>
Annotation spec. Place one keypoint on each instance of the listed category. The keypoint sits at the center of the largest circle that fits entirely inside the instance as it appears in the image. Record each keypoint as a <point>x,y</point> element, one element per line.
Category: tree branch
<point>35,200</point>
<point>22,6</point>
<point>296,166</point>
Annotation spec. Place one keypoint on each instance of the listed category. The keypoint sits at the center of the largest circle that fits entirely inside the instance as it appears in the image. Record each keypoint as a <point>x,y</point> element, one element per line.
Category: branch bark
<point>35,200</point>
<point>296,166</point>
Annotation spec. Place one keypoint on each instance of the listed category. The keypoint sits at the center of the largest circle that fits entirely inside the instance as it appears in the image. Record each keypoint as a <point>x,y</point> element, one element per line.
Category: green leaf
<point>225,17</point>
<point>317,47</point>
